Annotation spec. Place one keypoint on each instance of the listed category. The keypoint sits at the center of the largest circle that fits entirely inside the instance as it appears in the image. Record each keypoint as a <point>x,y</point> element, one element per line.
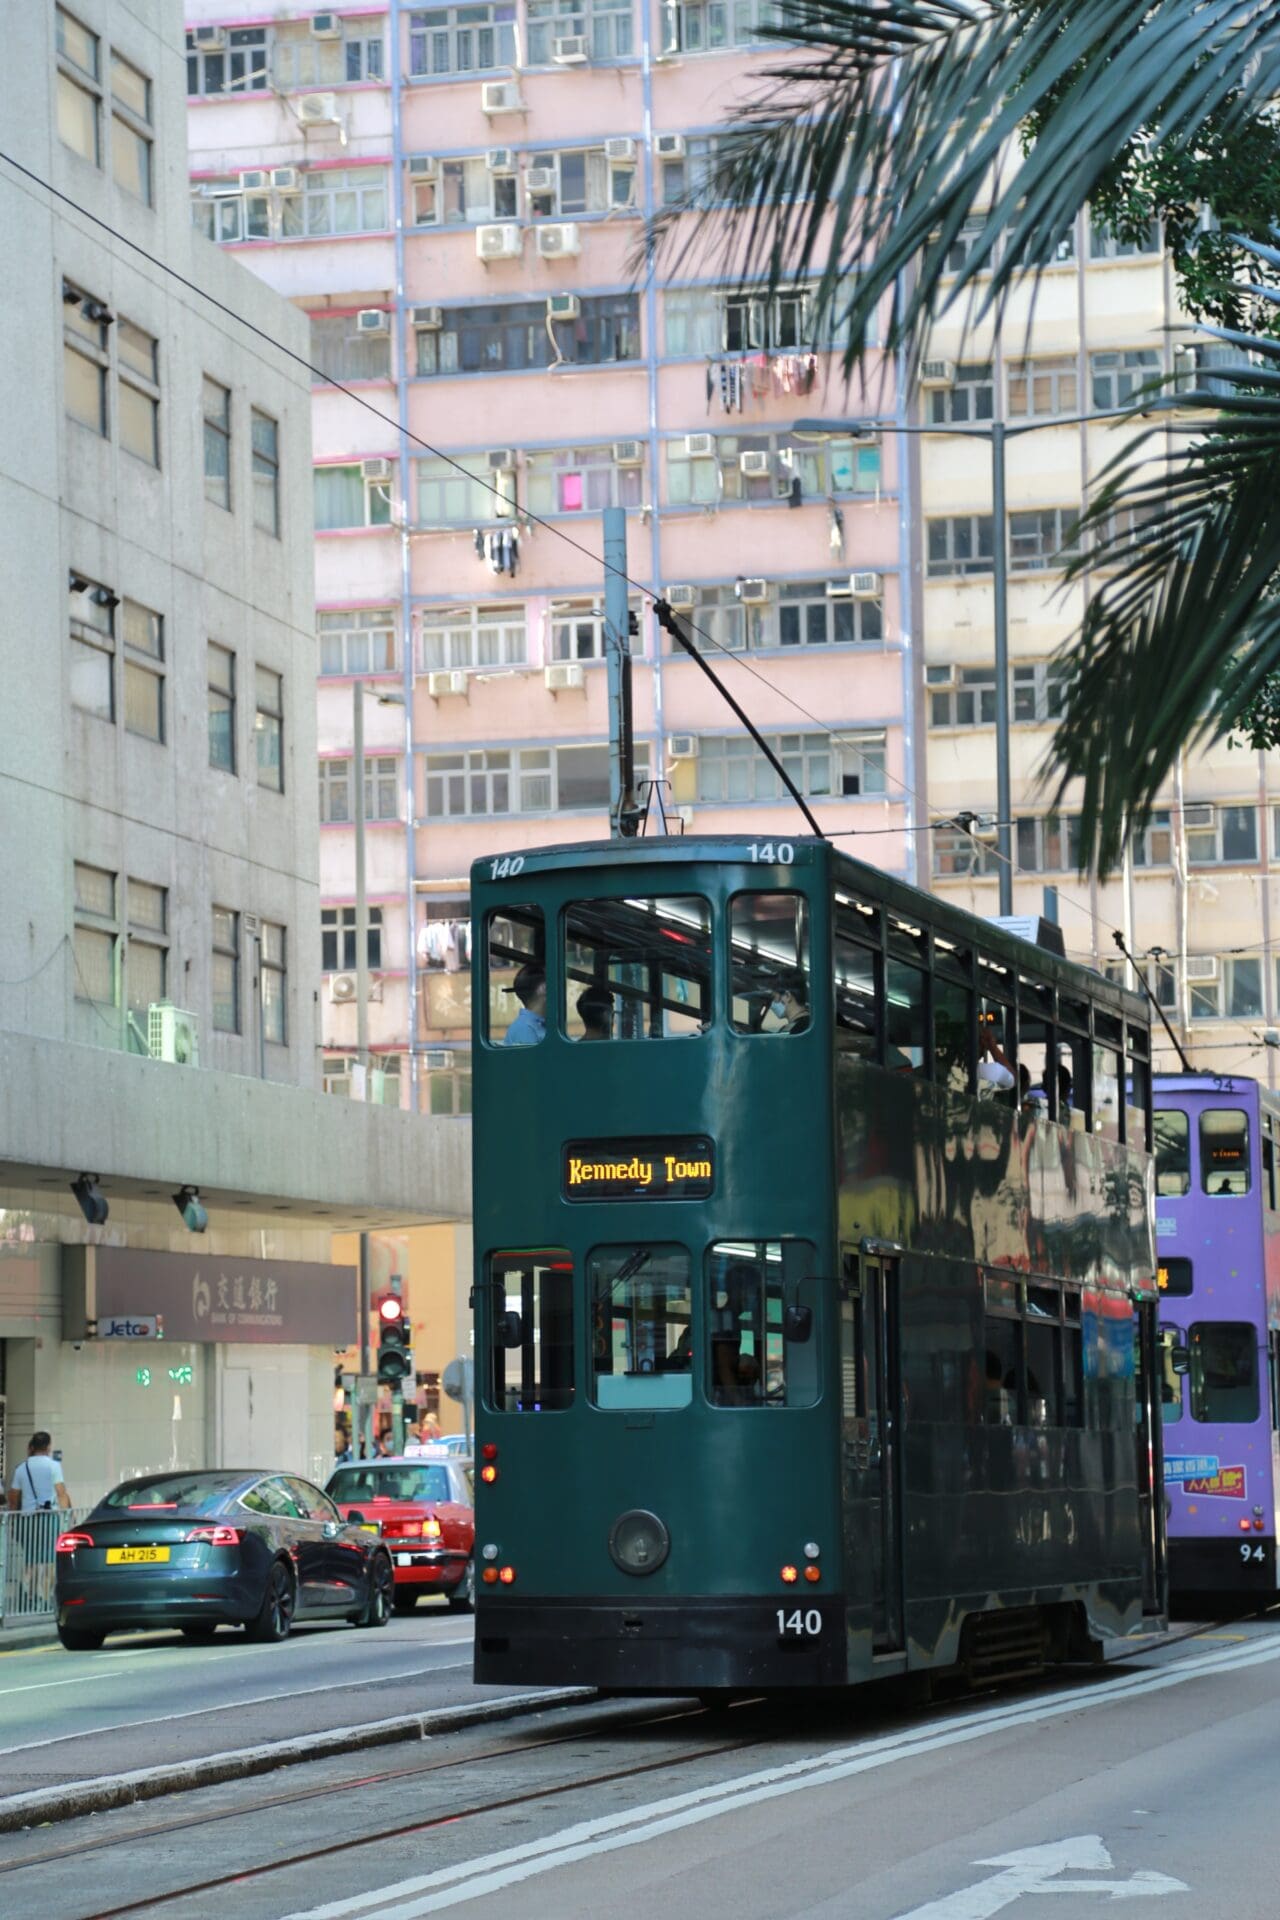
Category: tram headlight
<point>639,1542</point>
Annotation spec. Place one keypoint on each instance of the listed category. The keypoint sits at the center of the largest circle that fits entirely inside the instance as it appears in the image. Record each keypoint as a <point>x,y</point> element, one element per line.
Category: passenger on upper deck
<point>530,1024</point>
<point>595,1010</point>
<point>995,1075</point>
<point>790,1006</point>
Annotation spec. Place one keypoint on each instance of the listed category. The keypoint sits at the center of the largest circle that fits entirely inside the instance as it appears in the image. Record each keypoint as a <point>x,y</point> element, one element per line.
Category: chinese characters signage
<point>226,1298</point>
<point>679,1169</point>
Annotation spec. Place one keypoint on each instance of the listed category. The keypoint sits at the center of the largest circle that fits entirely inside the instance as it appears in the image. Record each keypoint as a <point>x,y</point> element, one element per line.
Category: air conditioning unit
<point>502,242</point>
<point>937,373</point>
<point>500,96</point>
<point>342,988</point>
<point>454,681</point>
<point>209,39</point>
<point>173,1034</point>
<point>668,146</point>
<point>379,470</point>
<point>423,166</point>
<point>1202,966</point>
<point>752,593</point>
<point>430,319</point>
<point>700,446</point>
<point>1197,817</point>
<point>679,594</point>
<point>501,159</point>
<point>563,306</point>
<point>566,676</point>
<point>326,26</point>
<point>314,109</point>
<point>539,179</point>
<point>559,242</point>
<point>373,320</point>
<point>621,151</point>
<point>286,179</point>
<point>501,459</point>
<point>754,462</point>
<point>569,52</point>
<point>864,586</point>
<point>683,746</point>
<point>255,181</point>
<point>435,1059</point>
<point>628,453</point>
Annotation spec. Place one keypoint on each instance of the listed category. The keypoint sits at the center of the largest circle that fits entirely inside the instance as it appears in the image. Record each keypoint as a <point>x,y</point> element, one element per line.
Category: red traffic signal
<point>390,1309</point>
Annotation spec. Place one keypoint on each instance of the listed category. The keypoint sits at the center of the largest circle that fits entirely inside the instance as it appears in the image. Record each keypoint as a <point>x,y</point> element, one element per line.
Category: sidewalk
<point>37,1633</point>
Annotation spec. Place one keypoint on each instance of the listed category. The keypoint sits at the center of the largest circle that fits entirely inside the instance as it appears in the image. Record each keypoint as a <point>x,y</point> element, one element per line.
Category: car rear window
<point>183,1493</point>
<point>354,1484</point>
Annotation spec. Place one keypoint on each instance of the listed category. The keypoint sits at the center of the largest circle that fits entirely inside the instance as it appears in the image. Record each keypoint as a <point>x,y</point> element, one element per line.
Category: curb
<point>50,1804</point>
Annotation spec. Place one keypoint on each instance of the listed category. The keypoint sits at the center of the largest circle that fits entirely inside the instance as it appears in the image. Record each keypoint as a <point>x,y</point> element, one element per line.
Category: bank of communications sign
<point>648,1169</point>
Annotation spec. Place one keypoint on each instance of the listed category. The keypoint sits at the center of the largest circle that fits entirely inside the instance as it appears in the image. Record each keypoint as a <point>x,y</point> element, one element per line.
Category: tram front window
<point>531,1316</point>
<point>1224,1150</point>
<point>641,1326</point>
<point>637,969</point>
<point>769,941</point>
<point>751,1286</point>
<point>516,1009</point>
<point>1224,1372</point>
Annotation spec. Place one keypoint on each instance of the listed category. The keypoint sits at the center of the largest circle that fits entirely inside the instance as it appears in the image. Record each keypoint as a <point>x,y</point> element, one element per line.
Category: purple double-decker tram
<point>1218,1238</point>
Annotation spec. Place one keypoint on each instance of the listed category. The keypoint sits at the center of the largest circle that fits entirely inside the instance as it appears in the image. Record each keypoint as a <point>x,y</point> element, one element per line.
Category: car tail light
<point>506,1575</point>
<point>401,1529</point>
<point>488,1451</point>
<point>789,1576</point>
<point>69,1542</point>
<point>216,1536</point>
<point>431,1529</point>
<point>489,1474</point>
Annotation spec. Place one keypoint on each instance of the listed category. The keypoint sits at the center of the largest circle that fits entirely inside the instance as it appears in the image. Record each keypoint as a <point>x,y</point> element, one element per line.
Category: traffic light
<point>393,1342</point>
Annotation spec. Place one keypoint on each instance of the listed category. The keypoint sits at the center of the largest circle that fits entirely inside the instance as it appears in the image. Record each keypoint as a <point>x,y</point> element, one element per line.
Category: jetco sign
<point>131,1326</point>
<point>205,1297</point>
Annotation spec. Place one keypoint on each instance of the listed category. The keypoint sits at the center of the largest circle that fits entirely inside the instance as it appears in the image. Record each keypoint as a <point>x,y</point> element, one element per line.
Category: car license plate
<point>404,1559</point>
<point>136,1556</point>
<point>370,1526</point>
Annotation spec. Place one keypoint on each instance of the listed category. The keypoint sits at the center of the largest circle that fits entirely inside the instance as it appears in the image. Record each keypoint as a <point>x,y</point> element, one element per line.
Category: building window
<point>454,637</point>
<point>706,26</point>
<point>271,960</point>
<point>1048,843</point>
<point>264,435</point>
<point>463,192</point>
<point>965,241</point>
<point>582,183</point>
<point>338,939</point>
<point>1046,537</point>
<point>960,544</point>
<point>520,780</point>
<point>605,25</point>
<point>79,88</point>
<point>518,336</point>
<point>147,956</point>
<point>131,145</point>
<point>226,970</point>
<point>143,635</point>
<point>447,1090</point>
<point>222,211</point>
<point>239,65</point>
<point>732,768</point>
<point>92,616</point>
<point>809,615</point>
<point>222,708</point>
<point>344,498</point>
<point>449,498</point>
<point>358,640</point>
<point>335,201</point>
<point>961,696</point>
<point>96,934</point>
<point>139,392</point>
<point>1118,377</point>
<point>85,358</point>
<point>217,443</point>
<point>693,171</point>
<point>1039,691</point>
<point>1106,245</point>
<point>472,39</point>
<point>340,353</point>
<point>268,728</point>
<point>580,480</point>
<point>1221,836</point>
<point>300,60</point>
<point>381,790</point>
<point>959,855</point>
<point>578,629</point>
<point>1041,389</point>
<point>971,396</point>
<point>705,320</point>
<point>1224,989</point>
<point>769,466</point>
<point>1153,847</point>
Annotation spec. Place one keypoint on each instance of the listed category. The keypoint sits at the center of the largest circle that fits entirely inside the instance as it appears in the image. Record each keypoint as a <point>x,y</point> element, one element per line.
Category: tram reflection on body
<point>814,1258</point>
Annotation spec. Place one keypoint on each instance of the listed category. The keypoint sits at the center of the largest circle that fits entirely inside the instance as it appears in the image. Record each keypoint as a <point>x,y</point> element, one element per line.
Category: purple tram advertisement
<point>1218,1243</point>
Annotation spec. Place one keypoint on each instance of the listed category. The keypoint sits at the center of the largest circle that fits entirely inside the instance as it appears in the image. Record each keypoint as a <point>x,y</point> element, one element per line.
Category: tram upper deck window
<point>637,969</point>
<point>757,1356</point>
<point>856,996</point>
<point>953,1061</point>
<point>769,953</point>
<point>1224,1371</point>
<point>1173,1152</point>
<point>516,947</point>
<point>641,1326</point>
<point>531,1331</point>
<point>1108,1039</point>
<point>1138,1089</point>
<point>906,1025</point>
<point>1224,1150</point>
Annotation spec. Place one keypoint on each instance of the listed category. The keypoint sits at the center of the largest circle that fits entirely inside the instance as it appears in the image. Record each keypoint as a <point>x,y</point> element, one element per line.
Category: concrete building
<point>160,939</point>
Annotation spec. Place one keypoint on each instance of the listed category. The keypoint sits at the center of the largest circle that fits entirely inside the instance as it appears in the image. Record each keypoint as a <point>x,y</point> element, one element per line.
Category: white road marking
<point>38,1686</point>
<point>1036,1870</point>
<point>492,1873</point>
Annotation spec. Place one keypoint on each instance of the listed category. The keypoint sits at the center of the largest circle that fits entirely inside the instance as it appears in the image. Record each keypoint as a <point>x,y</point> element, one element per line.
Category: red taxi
<point>423,1510</point>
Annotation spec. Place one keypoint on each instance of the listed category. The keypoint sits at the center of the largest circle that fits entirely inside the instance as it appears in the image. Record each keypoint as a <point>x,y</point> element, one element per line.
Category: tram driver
<point>530,1024</point>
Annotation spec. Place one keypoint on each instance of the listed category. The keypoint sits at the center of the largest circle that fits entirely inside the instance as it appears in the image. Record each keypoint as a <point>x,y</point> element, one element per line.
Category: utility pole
<point>1000,583</point>
<point>362,1019</point>
<point>623,812</point>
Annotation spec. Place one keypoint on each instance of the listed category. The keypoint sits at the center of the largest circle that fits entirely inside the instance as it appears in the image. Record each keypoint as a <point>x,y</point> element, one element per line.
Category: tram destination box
<point>645,1169</point>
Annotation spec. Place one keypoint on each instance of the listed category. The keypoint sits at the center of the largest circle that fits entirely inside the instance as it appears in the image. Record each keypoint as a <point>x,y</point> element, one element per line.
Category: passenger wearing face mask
<point>789,1006</point>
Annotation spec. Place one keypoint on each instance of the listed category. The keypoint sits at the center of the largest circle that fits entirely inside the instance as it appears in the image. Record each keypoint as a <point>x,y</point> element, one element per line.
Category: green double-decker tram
<point>815,1278</point>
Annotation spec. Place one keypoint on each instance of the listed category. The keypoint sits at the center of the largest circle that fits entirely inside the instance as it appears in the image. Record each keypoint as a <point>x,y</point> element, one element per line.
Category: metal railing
<point>26,1562</point>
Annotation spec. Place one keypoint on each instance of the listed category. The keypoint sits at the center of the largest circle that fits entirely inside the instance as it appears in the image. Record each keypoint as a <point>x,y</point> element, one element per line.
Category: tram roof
<point>956,922</point>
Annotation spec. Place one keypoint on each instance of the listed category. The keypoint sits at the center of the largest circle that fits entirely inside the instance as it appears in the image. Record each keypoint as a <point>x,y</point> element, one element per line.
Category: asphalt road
<point>163,1698</point>
<point>1154,1779</point>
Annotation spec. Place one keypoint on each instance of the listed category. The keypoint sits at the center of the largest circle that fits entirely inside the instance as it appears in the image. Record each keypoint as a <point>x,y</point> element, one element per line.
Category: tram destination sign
<point>645,1169</point>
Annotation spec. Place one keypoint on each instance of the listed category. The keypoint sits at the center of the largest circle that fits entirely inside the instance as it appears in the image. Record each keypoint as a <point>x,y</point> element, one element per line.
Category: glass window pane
<point>856,998</point>
<point>1173,1152</point>
<point>95,966</point>
<point>84,389</point>
<point>91,680</point>
<point>530,1356</point>
<point>642,1321</point>
<point>77,119</point>
<point>750,1361</point>
<point>769,959</point>
<point>95,890</point>
<point>143,701</point>
<point>952,1044</point>
<point>146,966</point>
<point>139,424</point>
<point>637,969</point>
<point>131,160</point>
<point>1224,1371</point>
<point>131,88</point>
<point>1224,1150</point>
<point>517,997</point>
<point>905,1024</point>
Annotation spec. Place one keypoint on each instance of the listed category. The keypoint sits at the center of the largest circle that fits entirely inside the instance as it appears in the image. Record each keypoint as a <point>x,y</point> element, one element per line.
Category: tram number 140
<point>801,1624</point>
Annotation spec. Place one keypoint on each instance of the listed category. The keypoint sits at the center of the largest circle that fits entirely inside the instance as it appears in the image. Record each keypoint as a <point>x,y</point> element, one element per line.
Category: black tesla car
<point>202,1550</point>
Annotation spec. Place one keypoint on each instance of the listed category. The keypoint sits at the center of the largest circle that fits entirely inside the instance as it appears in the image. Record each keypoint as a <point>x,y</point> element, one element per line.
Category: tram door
<point>870,1371</point>
<point>1148,1436</point>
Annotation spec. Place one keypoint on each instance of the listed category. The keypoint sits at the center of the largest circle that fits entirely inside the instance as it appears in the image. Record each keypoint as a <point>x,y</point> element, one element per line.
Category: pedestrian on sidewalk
<point>38,1489</point>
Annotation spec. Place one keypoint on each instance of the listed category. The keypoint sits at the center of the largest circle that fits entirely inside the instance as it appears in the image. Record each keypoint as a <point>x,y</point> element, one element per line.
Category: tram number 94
<point>1247,1552</point>
<point>800,1624</point>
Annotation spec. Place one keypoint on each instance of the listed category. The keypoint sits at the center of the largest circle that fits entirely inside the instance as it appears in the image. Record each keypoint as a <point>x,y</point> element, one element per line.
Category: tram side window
<point>756,1358</point>
<point>1224,1371</point>
<point>998,1074</point>
<point>770,989</point>
<point>905,1021</point>
<point>531,1320</point>
<point>1172,1383</point>
<point>856,998</point>
<point>1033,1355</point>
<point>1138,1091</point>
<point>1173,1152</point>
<point>952,1043</point>
<point>1269,1169</point>
<point>1224,1150</point>
<point>516,947</point>
<point>637,969</point>
<point>1075,1071</point>
<point>1107,1082</point>
<point>641,1326</point>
